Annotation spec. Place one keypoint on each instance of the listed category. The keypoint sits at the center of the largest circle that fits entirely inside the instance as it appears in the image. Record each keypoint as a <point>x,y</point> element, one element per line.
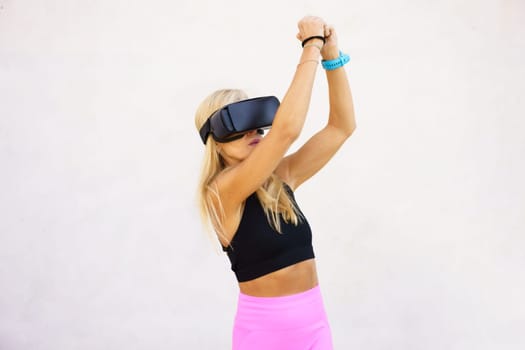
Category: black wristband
<point>313,37</point>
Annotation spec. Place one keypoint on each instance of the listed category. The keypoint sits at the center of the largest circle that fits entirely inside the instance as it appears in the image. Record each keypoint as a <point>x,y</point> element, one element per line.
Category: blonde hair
<point>272,194</point>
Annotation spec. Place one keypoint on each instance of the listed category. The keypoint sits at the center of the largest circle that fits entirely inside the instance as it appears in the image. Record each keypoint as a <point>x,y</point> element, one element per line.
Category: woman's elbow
<point>284,134</point>
<point>347,131</point>
<point>350,130</point>
<point>290,133</point>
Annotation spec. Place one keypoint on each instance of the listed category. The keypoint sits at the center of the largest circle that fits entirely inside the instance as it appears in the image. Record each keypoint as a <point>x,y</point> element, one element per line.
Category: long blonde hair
<point>272,194</point>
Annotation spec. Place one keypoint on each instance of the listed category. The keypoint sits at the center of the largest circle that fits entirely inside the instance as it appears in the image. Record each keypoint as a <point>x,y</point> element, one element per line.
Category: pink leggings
<point>291,322</point>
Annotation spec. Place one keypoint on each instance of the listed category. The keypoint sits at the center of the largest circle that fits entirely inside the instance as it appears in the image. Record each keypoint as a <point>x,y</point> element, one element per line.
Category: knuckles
<point>311,25</point>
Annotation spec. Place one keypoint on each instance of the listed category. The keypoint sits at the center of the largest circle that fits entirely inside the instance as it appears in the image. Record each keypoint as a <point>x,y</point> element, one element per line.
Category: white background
<point>418,221</point>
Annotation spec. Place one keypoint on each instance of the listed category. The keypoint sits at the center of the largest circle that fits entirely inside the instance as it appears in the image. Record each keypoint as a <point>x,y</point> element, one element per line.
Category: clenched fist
<point>310,26</point>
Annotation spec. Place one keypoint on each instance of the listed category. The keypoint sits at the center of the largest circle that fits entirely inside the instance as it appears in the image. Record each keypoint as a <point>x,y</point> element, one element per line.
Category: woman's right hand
<point>310,26</point>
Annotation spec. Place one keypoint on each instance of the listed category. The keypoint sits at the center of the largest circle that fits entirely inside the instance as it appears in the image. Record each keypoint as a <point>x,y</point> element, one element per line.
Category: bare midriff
<point>292,279</point>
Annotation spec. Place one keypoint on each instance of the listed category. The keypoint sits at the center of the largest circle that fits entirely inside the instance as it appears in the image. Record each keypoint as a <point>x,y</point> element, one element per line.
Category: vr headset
<point>232,121</point>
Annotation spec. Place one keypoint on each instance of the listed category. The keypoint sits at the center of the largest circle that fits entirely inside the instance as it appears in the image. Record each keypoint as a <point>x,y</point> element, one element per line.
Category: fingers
<point>315,26</point>
<point>330,49</point>
<point>310,26</point>
<point>327,30</point>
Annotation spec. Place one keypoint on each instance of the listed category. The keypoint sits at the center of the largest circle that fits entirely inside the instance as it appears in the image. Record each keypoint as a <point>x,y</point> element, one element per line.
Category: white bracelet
<point>305,61</point>
<point>318,46</point>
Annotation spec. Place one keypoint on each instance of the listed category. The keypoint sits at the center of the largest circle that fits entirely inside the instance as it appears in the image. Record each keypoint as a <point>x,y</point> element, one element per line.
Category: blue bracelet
<point>337,62</point>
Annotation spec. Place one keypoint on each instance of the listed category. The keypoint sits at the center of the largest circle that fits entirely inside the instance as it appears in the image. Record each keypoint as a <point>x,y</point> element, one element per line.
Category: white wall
<point>418,221</point>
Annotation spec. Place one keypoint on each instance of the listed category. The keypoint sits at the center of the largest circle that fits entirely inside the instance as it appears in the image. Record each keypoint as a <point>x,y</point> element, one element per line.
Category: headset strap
<point>205,130</point>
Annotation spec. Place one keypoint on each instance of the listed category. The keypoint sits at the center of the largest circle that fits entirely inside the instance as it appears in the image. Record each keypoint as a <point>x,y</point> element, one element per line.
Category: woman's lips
<point>254,142</point>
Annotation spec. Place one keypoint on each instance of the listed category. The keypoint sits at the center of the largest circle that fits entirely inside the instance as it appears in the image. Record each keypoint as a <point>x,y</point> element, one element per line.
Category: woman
<point>247,192</point>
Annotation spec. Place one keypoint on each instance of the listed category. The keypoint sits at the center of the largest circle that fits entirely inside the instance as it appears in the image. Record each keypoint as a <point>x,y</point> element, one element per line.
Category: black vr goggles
<point>232,121</point>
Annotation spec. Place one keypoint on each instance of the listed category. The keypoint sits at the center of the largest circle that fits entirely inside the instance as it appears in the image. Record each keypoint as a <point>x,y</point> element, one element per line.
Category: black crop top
<point>258,249</point>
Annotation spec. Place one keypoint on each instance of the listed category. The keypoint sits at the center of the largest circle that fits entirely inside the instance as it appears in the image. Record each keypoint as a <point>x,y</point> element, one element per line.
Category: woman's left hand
<point>330,49</point>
